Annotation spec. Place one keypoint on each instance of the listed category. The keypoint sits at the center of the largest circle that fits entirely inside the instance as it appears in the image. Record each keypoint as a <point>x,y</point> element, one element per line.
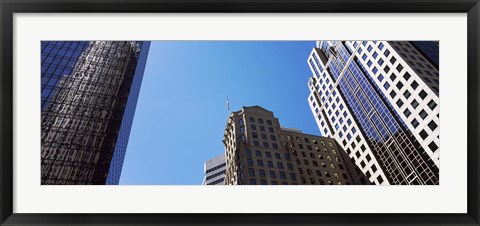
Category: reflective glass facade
<point>87,108</point>
<point>352,104</point>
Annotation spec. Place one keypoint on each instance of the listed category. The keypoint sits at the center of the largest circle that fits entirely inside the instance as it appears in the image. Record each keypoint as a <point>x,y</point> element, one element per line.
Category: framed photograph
<point>239,113</point>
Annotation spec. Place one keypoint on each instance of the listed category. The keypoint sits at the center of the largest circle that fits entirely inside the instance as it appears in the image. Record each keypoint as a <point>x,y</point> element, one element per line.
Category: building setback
<point>259,151</point>
<point>379,100</point>
<point>89,95</point>
<point>214,170</point>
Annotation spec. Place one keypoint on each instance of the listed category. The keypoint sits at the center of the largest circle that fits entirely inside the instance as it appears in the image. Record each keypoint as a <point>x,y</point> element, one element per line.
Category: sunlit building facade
<point>379,100</point>
<point>259,151</point>
<point>89,95</point>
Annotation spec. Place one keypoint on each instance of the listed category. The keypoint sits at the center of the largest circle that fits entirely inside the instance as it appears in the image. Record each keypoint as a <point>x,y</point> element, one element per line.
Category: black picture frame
<point>9,7</point>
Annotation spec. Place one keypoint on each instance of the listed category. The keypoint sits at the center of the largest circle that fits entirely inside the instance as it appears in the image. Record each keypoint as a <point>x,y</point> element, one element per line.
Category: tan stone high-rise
<point>259,151</point>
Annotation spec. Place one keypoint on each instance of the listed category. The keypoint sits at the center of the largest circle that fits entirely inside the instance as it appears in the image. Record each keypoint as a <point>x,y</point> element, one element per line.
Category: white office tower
<point>380,101</point>
<point>214,170</point>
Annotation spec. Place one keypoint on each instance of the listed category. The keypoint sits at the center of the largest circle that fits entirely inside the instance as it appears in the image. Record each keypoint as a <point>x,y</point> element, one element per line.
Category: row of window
<point>216,167</point>
<point>270,164</point>
<point>216,175</point>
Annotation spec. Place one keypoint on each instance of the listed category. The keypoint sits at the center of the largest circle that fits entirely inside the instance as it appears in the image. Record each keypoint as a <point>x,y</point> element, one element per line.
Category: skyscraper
<point>379,100</point>
<point>89,95</point>
<point>214,170</point>
<point>259,151</point>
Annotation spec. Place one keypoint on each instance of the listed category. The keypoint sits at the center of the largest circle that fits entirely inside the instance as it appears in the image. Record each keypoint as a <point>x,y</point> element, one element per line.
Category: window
<point>263,182</point>
<point>293,177</point>
<point>407,112</point>
<point>272,174</point>
<point>406,76</point>
<point>369,63</point>
<point>277,156</point>
<point>262,173</point>
<point>270,164</point>
<point>399,68</point>
<point>432,105</point>
<point>249,162</point>
<point>279,165</point>
<point>240,121</point>
<point>399,103</point>
<point>306,162</point>
<point>289,166</point>
<point>265,144</point>
<point>386,69</point>
<point>253,127</point>
<point>423,114</point>
<point>269,122</point>
<point>249,152</point>
<point>260,121</point>
<point>287,156</point>
<point>270,129</point>
<point>393,94</point>
<point>256,144</point>
<point>399,85</point>
<point>274,146</point>
<point>432,125</point>
<point>433,146</point>
<point>423,94</point>
<point>414,85</point>
<point>264,136</point>
<point>375,54</point>
<point>393,60</point>
<point>380,78</point>
<point>262,128</point>
<point>423,134</point>
<point>252,120</point>
<point>282,175</point>
<point>380,179</point>
<point>251,172</point>
<point>386,85</point>
<point>254,135</point>
<point>253,181</point>
<point>393,77</point>
<point>415,123</point>
<point>259,162</point>
<point>268,154</point>
<point>414,104</point>
<point>258,153</point>
<point>406,94</point>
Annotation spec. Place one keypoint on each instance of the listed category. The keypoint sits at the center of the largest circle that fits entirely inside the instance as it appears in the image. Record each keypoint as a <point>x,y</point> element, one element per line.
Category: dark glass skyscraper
<point>379,100</point>
<point>89,95</point>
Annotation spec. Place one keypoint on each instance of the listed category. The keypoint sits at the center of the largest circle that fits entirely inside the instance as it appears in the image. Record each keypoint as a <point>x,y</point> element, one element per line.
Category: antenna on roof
<point>228,105</point>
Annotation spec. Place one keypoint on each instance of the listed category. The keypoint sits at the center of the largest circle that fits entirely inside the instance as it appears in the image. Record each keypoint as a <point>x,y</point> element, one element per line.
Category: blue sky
<point>181,112</point>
